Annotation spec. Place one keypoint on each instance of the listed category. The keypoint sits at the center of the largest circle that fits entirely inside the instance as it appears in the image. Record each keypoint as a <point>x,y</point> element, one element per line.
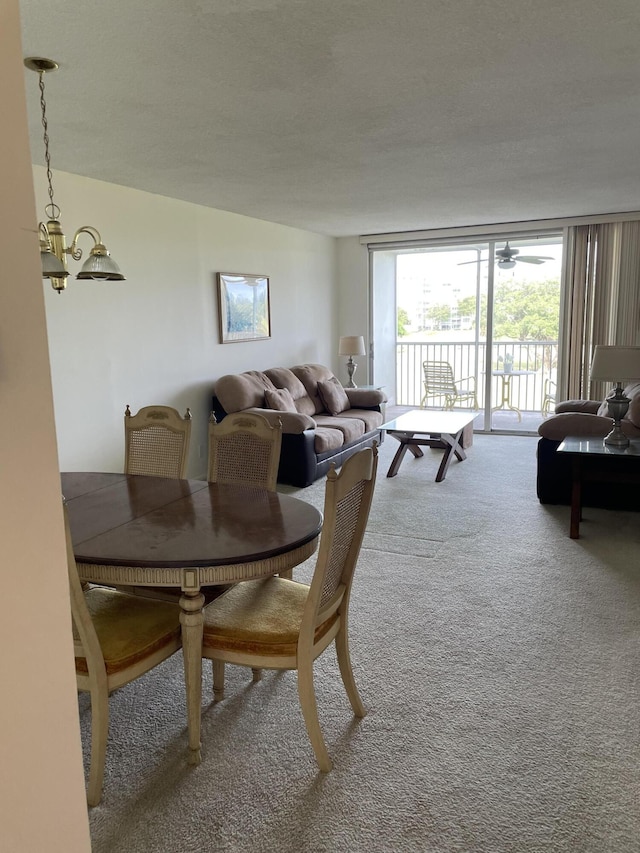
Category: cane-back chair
<point>280,624</point>
<point>244,450</point>
<point>156,441</point>
<point>117,638</point>
<point>439,383</point>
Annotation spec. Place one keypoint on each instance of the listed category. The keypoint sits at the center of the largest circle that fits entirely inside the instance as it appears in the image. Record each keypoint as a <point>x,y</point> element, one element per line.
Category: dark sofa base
<point>299,464</point>
<point>554,483</point>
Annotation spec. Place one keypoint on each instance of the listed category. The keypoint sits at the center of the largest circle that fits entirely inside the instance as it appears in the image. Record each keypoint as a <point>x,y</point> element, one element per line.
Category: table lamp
<point>619,364</point>
<point>351,345</point>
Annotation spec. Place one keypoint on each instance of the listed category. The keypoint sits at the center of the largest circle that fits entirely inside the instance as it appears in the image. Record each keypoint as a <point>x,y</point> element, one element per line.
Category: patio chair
<point>440,383</point>
<point>274,623</point>
<point>117,638</point>
<point>156,442</point>
<point>548,397</point>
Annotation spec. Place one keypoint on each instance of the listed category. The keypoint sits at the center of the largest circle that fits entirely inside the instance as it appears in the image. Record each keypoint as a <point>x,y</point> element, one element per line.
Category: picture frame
<point>244,310</point>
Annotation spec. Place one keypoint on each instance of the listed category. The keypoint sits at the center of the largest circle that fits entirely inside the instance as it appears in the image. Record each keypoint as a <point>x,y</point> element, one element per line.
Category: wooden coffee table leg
<point>452,443</point>
<point>405,439</point>
<point>400,452</point>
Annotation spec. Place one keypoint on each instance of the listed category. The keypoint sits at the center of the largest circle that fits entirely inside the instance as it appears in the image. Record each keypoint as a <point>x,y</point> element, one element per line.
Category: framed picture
<point>243,307</point>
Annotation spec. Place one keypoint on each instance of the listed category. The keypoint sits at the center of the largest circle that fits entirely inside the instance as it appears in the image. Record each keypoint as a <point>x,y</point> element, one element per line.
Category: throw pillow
<point>279,399</point>
<point>333,396</point>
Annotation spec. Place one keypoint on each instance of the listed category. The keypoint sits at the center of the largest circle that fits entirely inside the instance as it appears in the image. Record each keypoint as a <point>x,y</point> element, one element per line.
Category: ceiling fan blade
<point>538,257</point>
<point>530,260</point>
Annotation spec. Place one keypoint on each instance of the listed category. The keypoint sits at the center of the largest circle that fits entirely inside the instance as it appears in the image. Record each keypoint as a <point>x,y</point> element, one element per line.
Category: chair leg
<point>257,674</point>
<point>99,732</point>
<point>344,662</point>
<point>218,680</point>
<point>307,697</point>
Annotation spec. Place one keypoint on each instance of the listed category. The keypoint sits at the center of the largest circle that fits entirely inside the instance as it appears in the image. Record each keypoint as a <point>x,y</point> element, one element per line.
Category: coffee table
<point>594,460</point>
<point>422,428</point>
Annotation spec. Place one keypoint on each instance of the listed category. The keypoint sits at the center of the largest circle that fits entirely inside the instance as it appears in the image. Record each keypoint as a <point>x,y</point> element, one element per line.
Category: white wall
<point>353,302</point>
<point>154,338</point>
<point>42,799</point>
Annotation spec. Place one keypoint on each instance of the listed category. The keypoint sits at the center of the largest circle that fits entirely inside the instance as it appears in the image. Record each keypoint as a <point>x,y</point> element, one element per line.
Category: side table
<point>593,460</point>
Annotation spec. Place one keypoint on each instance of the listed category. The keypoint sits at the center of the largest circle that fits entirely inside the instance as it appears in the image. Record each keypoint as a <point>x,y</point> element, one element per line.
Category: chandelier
<point>53,243</point>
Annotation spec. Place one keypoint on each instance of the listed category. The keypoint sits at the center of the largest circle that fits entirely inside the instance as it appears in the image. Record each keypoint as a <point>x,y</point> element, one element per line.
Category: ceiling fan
<point>506,258</point>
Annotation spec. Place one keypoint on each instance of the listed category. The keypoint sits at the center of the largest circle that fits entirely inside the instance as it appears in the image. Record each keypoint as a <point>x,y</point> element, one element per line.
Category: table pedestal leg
<point>192,620</point>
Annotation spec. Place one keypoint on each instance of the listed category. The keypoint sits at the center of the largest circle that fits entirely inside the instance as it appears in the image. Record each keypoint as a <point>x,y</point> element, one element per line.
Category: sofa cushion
<point>284,378</point>
<point>310,375</point>
<point>292,422</point>
<point>333,396</point>
<point>351,428</point>
<point>279,399</point>
<point>237,391</point>
<point>327,439</point>
<point>372,419</point>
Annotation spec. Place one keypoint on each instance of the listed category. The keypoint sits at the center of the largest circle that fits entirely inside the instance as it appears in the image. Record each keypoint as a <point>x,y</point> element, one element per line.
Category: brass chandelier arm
<point>74,250</point>
<point>99,265</point>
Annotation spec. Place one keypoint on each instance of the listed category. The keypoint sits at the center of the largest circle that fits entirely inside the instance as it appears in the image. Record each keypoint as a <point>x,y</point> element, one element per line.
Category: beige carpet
<point>498,659</point>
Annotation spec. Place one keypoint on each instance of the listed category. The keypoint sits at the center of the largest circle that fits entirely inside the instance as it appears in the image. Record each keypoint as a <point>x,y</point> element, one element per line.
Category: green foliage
<point>527,311</point>
<point>439,313</point>
<point>403,322</point>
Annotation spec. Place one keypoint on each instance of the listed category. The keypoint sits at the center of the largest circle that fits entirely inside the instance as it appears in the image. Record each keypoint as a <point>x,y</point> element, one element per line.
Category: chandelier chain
<point>47,156</point>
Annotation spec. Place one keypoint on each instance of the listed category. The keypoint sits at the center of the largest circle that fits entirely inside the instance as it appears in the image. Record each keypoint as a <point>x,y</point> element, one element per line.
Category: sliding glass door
<point>488,310</point>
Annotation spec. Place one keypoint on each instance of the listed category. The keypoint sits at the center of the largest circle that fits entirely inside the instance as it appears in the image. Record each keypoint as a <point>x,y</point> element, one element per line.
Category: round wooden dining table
<point>130,530</point>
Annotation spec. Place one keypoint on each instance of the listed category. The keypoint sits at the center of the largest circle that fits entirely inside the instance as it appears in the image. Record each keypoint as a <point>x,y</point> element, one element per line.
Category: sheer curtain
<point>602,300</point>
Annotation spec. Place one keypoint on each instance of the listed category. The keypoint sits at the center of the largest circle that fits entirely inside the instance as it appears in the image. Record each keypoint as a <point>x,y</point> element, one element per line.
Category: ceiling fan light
<point>506,265</point>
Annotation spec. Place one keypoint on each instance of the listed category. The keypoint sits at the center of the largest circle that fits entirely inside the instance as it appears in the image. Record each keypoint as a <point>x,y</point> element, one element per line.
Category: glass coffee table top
<point>595,446</point>
<point>426,421</point>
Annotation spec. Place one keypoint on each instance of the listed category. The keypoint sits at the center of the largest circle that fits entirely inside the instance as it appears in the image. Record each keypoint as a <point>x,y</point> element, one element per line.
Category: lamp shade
<point>617,364</point>
<point>351,345</point>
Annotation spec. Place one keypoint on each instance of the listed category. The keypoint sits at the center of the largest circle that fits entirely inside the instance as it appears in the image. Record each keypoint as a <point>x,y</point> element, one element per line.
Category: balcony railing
<point>468,359</point>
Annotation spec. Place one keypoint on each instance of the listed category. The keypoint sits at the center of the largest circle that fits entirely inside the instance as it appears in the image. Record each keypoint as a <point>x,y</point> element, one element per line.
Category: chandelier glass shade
<point>53,243</point>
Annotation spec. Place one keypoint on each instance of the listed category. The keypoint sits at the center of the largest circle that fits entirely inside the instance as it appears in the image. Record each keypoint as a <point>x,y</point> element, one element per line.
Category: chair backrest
<point>85,639</point>
<point>156,442</point>
<point>438,378</point>
<point>347,503</point>
<point>244,449</point>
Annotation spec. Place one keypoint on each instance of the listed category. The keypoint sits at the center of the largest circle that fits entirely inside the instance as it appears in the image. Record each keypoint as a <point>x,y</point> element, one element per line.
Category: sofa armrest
<point>365,398</point>
<point>589,406</point>
<point>558,427</point>
<point>292,422</point>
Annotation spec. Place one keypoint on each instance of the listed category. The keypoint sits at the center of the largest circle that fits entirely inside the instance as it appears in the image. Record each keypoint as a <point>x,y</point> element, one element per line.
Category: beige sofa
<point>322,422</point>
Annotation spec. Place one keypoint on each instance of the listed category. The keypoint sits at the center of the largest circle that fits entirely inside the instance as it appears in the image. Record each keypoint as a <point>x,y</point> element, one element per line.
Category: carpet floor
<point>498,660</point>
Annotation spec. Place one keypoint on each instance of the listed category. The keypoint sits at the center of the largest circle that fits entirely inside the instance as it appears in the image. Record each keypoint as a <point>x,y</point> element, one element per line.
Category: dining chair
<point>117,638</point>
<point>244,450</point>
<point>281,624</point>
<point>439,382</point>
<point>156,441</point>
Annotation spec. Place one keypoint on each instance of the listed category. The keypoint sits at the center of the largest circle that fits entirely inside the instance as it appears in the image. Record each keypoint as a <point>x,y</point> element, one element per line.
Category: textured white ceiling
<point>348,116</point>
